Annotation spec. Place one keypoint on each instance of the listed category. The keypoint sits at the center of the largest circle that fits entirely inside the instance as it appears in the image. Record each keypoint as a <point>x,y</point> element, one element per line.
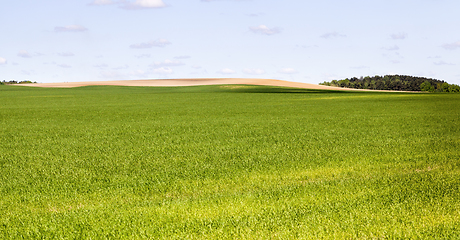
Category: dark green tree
<point>426,86</point>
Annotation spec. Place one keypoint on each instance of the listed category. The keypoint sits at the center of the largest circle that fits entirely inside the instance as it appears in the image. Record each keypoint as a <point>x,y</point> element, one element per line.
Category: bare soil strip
<point>191,82</point>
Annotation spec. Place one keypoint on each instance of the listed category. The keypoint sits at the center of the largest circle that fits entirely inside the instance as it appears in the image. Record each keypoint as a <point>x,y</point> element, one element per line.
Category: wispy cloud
<point>101,65</point>
<point>288,71</point>
<point>163,70</point>
<point>26,72</point>
<point>226,71</point>
<point>398,36</point>
<point>144,4</point>
<point>138,73</point>
<point>332,35</point>
<point>24,54</point>
<point>116,74</point>
<point>64,66</point>
<point>182,57</point>
<point>392,48</point>
<point>224,0</point>
<point>130,5</point>
<point>168,63</point>
<point>126,66</point>
<point>451,46</point>
<point>262,29</point>
<point>70,28</point>
<point>143,56</point>
<point>440,63</point>
<point>202,72</point>
<point>254,71</point>
<point>306,46</point>
<point>102,2</point>
<point>3,61</point>
<point>156,43</point>
<point>66,54</point>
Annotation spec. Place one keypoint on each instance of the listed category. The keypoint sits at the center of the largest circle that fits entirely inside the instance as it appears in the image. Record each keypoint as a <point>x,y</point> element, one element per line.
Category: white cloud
<point>102,2</point>
<point>451,46</point>
<point>306,46</point>
<point>64,66</point>
<point>126,66</point>
<point>25,72</point>
<point>182,57</point>
<point>143,56</point>
<point>393,48</point>
<point>139,73</point>
<point>24,54</point>
<point>262,29</point>
<point>226,71</point>
<point>168,63</point>
<point>196,66</point>
<point>202,72</point>
<point>163,70</point>
<point>2,61</point>
<point>398,36</point>
<point>253,71</point>
<point>443,63</point>
<point>131,5</point>
<point>157,43</point>
<point>288,71</point>
<point>332,35</point>
<point>101,65</point>
<point>70,28</point>
<point>66,54</point>
<point>144,4</point>
<point>123,75</point>
<point>224,0</point>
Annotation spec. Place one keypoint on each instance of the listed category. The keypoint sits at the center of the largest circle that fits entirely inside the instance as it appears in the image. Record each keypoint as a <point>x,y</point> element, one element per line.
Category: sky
<point>307,41</point>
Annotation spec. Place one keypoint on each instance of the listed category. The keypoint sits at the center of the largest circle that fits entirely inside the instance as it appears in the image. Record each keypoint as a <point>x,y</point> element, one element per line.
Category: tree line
<point>15,82</point>
<point>395,82</point>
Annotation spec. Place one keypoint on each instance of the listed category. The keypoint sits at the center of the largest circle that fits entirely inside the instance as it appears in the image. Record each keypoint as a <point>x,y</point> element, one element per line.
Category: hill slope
<point>188,82</point>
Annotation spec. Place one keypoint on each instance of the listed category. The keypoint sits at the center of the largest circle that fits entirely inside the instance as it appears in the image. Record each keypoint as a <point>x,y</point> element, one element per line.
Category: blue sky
<point>303,41</point>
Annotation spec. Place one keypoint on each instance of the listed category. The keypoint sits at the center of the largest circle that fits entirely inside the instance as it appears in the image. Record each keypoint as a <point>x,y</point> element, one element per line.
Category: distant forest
<point>395,82</point>
<point>15,82</point>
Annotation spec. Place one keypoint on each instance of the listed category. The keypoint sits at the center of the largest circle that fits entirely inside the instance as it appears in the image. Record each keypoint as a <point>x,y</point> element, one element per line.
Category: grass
<point>226,162</point>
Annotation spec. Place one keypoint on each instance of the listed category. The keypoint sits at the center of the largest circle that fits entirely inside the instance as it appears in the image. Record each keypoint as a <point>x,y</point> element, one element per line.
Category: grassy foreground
<point>226,162</point>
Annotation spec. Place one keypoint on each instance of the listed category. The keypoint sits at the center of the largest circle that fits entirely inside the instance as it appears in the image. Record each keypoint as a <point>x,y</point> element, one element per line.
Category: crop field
<point>228,162</point>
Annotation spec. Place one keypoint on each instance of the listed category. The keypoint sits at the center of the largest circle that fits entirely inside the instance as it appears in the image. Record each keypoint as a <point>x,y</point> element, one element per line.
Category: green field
<point>226,162</point>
